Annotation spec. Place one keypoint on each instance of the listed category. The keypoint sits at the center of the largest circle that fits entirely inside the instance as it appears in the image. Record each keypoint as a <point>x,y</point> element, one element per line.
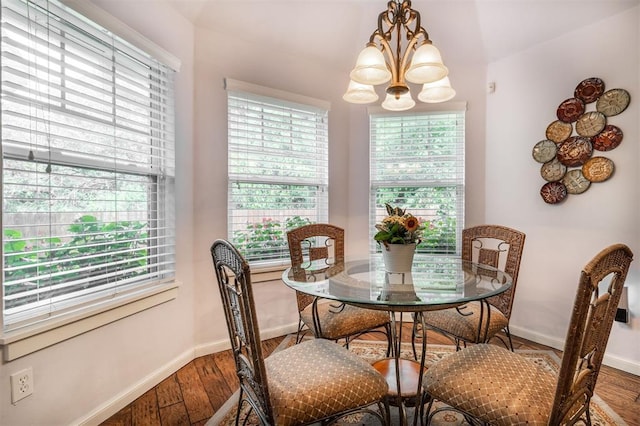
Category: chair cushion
<point>493,384</point>
<point>338,321</point>
<point>319,378</point>
<point>466,326</point>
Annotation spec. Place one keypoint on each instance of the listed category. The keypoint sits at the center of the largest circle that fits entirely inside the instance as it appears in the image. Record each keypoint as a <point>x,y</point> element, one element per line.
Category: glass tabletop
<point>435,282</point>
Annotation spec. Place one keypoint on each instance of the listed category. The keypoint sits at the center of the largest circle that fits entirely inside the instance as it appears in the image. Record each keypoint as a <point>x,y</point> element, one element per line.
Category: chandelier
<point>425,68</point>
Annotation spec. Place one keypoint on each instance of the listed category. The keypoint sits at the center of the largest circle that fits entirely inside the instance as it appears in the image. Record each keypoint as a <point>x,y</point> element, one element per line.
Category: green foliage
<point>267,239</point>
<point>399,227</point>
<point>94,249</point>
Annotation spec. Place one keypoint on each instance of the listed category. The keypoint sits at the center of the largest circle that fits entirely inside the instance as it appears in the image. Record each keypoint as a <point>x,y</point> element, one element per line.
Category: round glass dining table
<point>434,282</point>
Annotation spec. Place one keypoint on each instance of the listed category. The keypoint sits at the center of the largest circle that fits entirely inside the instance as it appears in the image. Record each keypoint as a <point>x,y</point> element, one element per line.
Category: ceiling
<point>334,31</point>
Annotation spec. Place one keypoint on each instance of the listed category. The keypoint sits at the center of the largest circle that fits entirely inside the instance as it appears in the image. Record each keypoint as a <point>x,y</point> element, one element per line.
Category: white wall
<point>220,55</point>
<point>562,238</point>
<point>78,377</point>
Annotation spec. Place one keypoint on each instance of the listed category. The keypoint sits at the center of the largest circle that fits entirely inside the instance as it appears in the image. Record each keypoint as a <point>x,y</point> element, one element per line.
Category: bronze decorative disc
<point>590,123</point>
<point>570,110</point>
<point>613,102</point>
<point>609,138</point>
<point>574,151</point>
<point>558,131</point>
<point>598,169</point>
<point>575,182</point>
<point>553,170</point>
<point>553,192</point>
<point>589,90</point>
<point>544,151</point>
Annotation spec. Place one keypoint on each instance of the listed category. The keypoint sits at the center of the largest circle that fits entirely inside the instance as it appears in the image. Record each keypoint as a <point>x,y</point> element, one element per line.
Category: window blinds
<point>417,163</point>
<point>278,172</point>
<point>88,162</point>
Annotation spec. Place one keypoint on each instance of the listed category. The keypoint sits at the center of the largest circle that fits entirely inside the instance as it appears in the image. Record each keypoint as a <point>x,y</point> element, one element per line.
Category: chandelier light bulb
<point>400,103</point>
<point>438,91</point>
<point>426,65</point>
<point>360,93</point>
<point>399,52</point>
<point>371,67</point>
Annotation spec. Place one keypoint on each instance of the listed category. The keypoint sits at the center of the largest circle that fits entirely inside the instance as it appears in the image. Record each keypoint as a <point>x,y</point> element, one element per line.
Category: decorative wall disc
<point>575,182</point>
<point>589,90</point>
<point>570,110</point>
<point>590,123</point>
<point>598,169</point>
<point>568,164</point>
<point>558,131</point>
<point>544,151</point>
<point>613,102</point>
<point>553,192</point>
<point>574,151</point>
<point>609,138</point>
<point>553,170</point>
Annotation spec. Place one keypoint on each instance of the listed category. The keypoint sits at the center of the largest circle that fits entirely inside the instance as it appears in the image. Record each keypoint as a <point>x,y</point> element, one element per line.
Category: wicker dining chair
<point>317,380</point>
<point>493,245</point>
<point>324,243</point>
<point>500,387</point>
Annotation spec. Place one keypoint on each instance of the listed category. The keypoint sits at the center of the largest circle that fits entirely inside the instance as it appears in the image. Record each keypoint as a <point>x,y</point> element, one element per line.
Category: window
<point>278,168</point>
<point>417,163</point>
<point>87,130</point>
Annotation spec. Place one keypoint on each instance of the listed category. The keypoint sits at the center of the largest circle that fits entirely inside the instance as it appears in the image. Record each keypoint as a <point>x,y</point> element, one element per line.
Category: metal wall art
<point>571,153</point>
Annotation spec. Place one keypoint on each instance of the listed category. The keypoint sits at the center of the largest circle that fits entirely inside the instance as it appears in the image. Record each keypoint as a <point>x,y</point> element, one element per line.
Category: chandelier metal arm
<point>399,62</point>
<point>396,17</point>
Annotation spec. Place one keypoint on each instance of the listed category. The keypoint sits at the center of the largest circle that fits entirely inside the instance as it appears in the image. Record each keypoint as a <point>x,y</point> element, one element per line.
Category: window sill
<point>29,339</point>
<point>267,273</point>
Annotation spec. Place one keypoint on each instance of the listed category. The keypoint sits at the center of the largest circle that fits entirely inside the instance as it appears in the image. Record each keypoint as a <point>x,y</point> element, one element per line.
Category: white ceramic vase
<point>398,257</point>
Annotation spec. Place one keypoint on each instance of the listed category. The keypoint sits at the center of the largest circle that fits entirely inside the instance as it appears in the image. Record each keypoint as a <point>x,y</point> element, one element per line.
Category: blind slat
<point>277,169</point>
<point>417,164</point>
<point>88,153</point>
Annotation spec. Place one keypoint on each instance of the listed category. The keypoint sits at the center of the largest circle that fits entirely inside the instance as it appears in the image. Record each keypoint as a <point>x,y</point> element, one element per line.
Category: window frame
<point>41,332</point>
<point>314,136</point>
<point>378,212</point>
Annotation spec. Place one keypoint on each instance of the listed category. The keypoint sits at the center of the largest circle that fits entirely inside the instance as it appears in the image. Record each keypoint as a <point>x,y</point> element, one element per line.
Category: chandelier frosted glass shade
<point>426,65</point>
<point>360,93</point>
<point>438,91</point>
<point>401,103</point>
<point>371,67</point>
<point>399,52</point>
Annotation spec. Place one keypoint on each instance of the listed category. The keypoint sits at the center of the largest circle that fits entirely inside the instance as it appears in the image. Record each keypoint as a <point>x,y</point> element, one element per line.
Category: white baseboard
<point>124,398</point>
<point>223,345</point>
<point>608,360</point>
<point>127,396</point>
<point>118,402</point>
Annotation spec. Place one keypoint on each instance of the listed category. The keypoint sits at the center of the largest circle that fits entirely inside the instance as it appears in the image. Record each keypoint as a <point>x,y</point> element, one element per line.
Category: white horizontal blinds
<point>417,163</point>
<point>278,172</point>
<point>88,162</point>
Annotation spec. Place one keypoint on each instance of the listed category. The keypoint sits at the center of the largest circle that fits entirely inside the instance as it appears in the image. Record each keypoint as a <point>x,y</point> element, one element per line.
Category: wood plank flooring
<point>192,395</point>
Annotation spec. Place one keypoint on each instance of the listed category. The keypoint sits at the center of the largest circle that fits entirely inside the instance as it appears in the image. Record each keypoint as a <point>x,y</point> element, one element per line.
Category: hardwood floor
<point>192,395</point>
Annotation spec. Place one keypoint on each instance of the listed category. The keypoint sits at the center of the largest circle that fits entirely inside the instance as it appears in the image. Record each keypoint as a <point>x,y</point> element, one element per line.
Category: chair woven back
<point>594,310</point>
<point>500,247</point>
<point>314,242</point>
<point>234,282</point>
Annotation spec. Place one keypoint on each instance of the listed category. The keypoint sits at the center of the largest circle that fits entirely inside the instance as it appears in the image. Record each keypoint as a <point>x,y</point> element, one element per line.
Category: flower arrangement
<point>399,227</point>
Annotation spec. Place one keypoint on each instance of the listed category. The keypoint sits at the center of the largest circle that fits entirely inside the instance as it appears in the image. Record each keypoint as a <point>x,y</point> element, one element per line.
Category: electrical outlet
<point>21,384</point>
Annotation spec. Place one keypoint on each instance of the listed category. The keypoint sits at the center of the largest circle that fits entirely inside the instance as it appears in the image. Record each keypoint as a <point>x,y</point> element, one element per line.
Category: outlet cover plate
<point>21,384</point>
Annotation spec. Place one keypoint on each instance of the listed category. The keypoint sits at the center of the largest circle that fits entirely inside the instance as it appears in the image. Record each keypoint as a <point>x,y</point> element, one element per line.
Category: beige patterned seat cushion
<point>494,385</point>
<point>319,378</point>
<point>337,323</point>
<point>466,326</point>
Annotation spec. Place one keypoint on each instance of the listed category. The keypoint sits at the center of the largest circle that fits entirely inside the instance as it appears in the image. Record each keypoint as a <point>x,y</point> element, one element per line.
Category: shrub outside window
<point>87,130</point>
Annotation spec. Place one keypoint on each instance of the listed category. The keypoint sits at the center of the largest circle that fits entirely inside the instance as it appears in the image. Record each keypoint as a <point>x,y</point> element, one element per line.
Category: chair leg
<point>506,330</point>
<point>301,332</point>
<point>387,328</point>
<point>414,335</point>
